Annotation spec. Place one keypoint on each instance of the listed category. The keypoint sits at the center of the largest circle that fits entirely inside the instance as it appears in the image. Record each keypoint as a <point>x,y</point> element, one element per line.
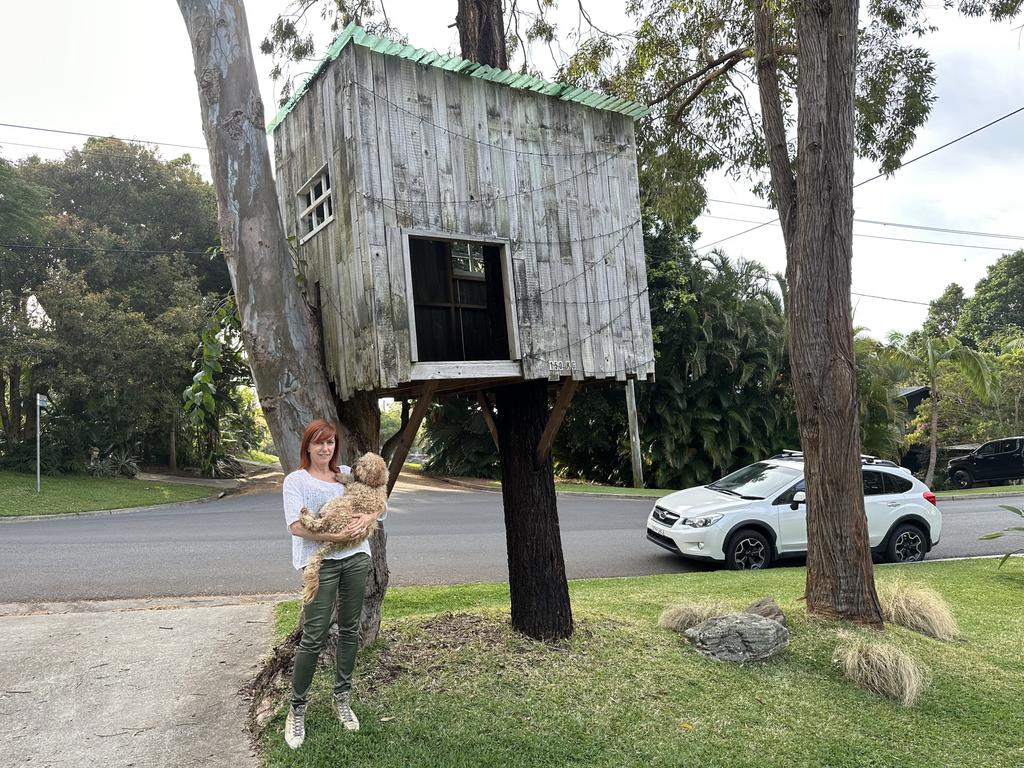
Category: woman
<point>342,577</point>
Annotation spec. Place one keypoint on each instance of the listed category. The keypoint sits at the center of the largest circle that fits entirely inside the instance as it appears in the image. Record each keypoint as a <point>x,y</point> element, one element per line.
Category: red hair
<point>318,431</point>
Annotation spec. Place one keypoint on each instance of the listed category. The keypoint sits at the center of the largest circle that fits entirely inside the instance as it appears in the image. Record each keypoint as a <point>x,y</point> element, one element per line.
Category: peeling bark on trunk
<point>278,328</point>
<point>816,208</point>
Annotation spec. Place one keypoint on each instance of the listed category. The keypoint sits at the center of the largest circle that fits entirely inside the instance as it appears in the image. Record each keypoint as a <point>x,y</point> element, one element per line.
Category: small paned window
<point>316,206</point>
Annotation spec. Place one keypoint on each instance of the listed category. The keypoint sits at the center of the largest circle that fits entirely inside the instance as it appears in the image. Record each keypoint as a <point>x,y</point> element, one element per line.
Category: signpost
<point>41,402</point>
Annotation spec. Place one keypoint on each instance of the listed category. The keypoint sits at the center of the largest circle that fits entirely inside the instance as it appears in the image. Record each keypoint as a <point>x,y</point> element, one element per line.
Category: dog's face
<point>371,470</point>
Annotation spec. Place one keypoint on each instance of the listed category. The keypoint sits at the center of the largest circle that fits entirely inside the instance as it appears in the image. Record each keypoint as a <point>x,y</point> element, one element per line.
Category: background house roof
<point>356,35</point>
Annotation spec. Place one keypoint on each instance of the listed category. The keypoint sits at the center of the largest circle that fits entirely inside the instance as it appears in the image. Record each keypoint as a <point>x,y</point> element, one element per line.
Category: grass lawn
<point>1001,490</point>
<point>449,684</point>
<point>84,493</point>
<point>258,456</point>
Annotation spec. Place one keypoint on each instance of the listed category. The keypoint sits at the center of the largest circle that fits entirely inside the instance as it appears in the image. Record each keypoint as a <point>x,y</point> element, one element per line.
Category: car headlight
<point>700,522</point>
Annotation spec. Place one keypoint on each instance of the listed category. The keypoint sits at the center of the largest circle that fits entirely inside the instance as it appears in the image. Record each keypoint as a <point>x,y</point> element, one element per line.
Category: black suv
<point>997,460</point>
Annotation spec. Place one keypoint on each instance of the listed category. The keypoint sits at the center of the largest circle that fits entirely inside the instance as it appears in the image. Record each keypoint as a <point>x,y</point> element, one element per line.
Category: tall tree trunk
<point>536,566</point>
<point>172,447</point>
<point>481,26</point>
<point>933,434</point>
<point>17,431</point>
<point>816,209</point>
<point>5,414</point>
<point>280,336</point>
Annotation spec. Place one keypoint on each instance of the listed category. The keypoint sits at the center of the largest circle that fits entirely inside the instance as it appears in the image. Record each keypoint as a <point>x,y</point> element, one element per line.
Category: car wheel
<point>748,550</point>
<point>962,479</point>
<point>907,544</point>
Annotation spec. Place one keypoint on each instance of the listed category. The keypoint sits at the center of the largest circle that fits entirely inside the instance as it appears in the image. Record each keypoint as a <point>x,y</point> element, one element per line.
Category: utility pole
<point>634,434</point>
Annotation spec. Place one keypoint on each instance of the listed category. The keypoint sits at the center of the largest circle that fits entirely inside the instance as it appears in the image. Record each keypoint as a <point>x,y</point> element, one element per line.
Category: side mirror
<point>798,498</point>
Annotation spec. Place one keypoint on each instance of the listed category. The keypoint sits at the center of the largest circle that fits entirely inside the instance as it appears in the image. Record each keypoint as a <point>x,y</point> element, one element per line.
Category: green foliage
<point>458,441</point>
<point>944,313</point>
<point>220,409</point>
<point>721,398</point>
<point>120,195</point>
<point>1013,530</point>
<point>998,300</point>
<point>104,314</point>
<point>881,412</point>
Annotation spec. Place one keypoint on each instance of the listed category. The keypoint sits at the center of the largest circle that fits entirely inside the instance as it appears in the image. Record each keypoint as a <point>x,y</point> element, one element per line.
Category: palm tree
<point>926,357</point>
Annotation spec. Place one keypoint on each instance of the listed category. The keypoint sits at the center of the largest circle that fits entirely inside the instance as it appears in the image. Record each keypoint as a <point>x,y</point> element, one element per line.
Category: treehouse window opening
<point>460,300</point>
<point>316,204</point>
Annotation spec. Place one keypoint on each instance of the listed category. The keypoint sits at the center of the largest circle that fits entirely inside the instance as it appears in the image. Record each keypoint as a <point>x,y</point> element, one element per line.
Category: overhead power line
<point>902,225</point>
<point>880,175</point>
<point>890,298</point>
<point>96,136</point>
<point>883,237</point>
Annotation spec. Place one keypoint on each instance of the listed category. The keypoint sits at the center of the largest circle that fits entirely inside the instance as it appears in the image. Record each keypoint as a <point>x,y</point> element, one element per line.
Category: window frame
<point>326,196</point>
<point>504,247</point>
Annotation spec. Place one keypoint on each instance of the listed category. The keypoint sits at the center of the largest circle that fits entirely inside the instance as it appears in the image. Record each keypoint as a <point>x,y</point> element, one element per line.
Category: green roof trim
<point>358,36</point>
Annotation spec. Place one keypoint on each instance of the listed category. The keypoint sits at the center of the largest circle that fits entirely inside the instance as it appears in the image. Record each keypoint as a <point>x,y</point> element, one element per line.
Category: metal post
<point>37,443</point>
<point>634,435</point>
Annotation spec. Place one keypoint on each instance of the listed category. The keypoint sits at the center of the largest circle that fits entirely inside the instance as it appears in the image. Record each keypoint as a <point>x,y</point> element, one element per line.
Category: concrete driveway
<point>133,683</point>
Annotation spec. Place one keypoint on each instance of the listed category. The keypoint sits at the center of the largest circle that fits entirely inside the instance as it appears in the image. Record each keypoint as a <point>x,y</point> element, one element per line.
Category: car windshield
<point>758,481</point>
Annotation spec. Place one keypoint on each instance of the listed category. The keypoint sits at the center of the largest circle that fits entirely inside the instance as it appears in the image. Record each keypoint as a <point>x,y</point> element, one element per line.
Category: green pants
<point>343,581</point>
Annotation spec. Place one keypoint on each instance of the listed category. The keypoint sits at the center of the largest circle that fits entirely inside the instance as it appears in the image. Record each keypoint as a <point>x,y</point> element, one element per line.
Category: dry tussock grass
<point>882,669</point>
<point>917,608</point>
<point>682,616</point>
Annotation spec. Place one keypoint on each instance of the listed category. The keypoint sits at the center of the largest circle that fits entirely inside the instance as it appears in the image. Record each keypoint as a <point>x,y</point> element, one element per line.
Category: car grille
<point>663,516</point>
<point>661,540</point>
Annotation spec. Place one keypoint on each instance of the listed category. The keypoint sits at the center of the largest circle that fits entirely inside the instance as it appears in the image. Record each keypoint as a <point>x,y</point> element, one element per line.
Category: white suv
<point>756,514</point>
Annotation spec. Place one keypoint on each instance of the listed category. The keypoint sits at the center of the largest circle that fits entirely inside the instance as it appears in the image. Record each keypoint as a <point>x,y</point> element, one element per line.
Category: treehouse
<point>461,227</point>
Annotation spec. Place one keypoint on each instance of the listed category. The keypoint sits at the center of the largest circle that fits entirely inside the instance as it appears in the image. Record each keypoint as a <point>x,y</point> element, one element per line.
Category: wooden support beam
<point>547,439</point>
<point>409,434</point>
<point>488,412</point>
<point>634,435</point>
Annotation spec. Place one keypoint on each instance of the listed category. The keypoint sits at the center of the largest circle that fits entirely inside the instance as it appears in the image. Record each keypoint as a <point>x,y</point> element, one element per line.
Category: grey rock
<point>768,608</point>
<point>741,638</point>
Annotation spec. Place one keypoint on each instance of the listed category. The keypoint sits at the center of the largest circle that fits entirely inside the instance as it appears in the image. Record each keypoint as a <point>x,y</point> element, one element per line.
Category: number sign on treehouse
<point>463,225</point>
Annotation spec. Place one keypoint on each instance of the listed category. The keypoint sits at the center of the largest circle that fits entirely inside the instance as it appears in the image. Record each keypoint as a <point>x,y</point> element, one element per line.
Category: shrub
<point>882,669</point>
<point>682,616</point>
<point>917,608</point>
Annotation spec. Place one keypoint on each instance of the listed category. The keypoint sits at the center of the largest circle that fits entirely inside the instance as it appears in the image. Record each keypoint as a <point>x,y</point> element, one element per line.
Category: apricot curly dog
<point>365,494</point>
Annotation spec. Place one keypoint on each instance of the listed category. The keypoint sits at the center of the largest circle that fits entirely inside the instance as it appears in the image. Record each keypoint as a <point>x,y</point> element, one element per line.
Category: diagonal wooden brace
<point>488,412</point>
<point>547,439</point>
<point>409,433</point>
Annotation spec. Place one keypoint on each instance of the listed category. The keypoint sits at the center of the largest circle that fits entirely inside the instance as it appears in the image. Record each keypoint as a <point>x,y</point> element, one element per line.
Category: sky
<point>124,68</point>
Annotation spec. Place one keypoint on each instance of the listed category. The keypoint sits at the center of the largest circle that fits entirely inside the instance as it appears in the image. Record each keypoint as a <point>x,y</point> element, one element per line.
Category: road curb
<point>969,496</point>
<point>103,512</point>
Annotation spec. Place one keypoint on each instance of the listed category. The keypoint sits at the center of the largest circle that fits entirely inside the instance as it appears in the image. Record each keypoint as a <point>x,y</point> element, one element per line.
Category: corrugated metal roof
<point>358,36</point>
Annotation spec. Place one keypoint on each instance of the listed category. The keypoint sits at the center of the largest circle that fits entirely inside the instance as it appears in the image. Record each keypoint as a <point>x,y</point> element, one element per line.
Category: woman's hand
<point>357,527</point>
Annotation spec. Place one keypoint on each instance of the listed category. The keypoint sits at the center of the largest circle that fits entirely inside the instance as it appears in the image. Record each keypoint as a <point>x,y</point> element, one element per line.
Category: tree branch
<point>724,69</point>
<point>773,119</point>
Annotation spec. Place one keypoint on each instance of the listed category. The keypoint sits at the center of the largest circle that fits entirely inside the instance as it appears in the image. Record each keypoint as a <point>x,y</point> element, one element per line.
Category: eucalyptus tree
<point>934,352</point>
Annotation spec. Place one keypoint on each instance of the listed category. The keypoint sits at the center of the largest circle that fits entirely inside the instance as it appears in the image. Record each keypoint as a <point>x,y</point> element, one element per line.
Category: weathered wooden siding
<point>416,147</point>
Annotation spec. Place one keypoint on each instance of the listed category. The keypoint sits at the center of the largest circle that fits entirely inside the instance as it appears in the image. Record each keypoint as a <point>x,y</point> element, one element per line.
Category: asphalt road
<point>239,545</point>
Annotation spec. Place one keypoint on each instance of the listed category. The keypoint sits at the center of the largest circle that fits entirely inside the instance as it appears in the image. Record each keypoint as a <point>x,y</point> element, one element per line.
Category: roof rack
<point>864,458</point>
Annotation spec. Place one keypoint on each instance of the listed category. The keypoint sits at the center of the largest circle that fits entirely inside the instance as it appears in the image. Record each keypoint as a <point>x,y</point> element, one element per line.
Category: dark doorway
<point>459,300</point>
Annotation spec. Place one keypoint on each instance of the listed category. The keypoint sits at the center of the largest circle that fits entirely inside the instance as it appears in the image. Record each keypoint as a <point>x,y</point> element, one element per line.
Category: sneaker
<point>344,710</point>
<point>295,726</point>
